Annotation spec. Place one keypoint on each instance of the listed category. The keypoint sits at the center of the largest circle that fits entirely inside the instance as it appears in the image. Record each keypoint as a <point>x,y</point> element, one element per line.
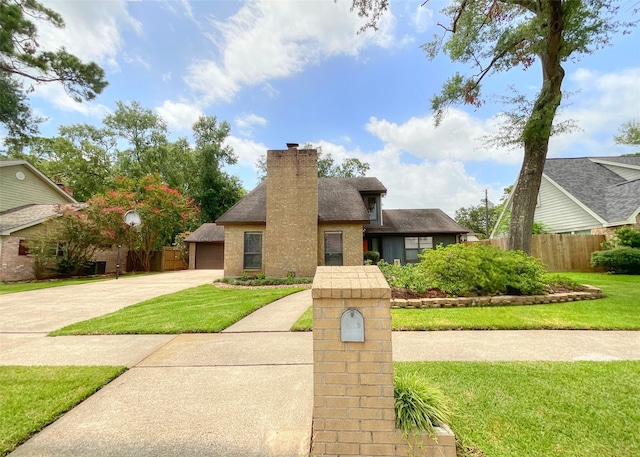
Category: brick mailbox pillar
<point>353,411</point>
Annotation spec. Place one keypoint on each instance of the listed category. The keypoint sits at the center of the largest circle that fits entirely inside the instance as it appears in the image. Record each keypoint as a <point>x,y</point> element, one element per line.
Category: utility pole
<point>486,212</point>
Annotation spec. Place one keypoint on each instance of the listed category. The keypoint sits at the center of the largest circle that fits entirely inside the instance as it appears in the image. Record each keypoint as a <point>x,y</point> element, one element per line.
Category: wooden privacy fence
<point>559,252</point>
<point>169,259</point>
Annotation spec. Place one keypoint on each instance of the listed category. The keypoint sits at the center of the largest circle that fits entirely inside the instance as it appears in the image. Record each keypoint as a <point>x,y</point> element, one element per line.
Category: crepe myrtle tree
<point>494,36</point>
<point>164,213</point>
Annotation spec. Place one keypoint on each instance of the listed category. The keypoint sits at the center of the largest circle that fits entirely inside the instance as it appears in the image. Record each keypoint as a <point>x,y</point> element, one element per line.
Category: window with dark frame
<point>252,251</point>
<point>333,248</point>
<point>22,248</point>
<point>414,245</point>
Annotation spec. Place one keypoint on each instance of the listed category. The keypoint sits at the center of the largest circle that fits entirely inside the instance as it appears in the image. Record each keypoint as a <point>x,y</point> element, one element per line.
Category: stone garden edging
<point>590,293</point>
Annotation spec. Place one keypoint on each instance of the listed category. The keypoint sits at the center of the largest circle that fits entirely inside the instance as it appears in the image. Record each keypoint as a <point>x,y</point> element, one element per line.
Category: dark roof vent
<point>292,145</point>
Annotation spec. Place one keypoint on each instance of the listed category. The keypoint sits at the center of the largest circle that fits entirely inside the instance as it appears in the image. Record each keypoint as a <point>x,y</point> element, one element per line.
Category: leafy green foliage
<point>628,236</point>
<point>409,276</point>
<point>67,241</point>
<point>621,253</point>
<point>459,269</point>
<point>261,280</point>
<point>372,257</point>
<point>133,142</point>
<point>20,56</point>
<point>164,213</point>
<point>419,407</point>
<point>622,260</point>
<point>629,133</point>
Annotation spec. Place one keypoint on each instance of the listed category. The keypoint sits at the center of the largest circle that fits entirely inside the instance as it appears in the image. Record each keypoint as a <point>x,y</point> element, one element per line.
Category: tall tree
<point>493,36</point>
<point>214,190</point>
<point>629,133</point>
<point>21,59</point>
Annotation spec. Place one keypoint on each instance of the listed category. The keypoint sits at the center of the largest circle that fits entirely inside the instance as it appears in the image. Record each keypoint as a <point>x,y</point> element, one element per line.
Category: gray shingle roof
<point>339,200</point>
<point>405,221</point>
<point>601,190</point>
<point>26,216</point>
<point>206,233</point>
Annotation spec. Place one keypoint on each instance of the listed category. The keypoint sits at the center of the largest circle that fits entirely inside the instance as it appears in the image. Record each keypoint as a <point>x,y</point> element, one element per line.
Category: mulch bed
<point>397,292</point>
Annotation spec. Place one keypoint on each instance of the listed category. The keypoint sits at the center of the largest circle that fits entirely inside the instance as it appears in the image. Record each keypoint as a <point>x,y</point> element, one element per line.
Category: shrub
<point>476,269</point>
<point>628,236</point>
<point>623,260</point>
<point>419,407</point>
<point>561,281</point>
<point>371,257</point>
<point>409,276</point>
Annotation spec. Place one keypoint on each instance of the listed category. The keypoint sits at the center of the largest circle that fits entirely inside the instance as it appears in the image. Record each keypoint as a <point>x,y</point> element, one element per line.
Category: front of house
<point>294,221</point>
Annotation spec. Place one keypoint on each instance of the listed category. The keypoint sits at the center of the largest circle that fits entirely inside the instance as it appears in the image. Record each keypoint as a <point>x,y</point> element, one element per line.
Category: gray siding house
<point>588,195</point>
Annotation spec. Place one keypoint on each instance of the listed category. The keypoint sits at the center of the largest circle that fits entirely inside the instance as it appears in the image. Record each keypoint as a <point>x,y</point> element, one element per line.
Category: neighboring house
<point>294,221</point>
<point>206,248</point>
<point>588,195</point>
<point>27,199</point>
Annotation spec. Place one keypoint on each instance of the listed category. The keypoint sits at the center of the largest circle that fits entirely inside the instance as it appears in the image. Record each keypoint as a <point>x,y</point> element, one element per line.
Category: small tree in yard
<point>164,212</point>
<point>67,242</point>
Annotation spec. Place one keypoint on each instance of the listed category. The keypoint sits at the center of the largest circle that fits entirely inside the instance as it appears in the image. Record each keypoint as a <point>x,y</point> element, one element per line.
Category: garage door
<point>210,256</point>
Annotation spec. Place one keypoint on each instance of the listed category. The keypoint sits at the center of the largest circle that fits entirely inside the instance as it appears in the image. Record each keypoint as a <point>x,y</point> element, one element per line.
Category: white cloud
<point>93,29</point>
<point>179,116</point>
<point>605,102</point>
<point>248,151</point>
<point>266,40</point>
<point>422,18</point>
<point>246,122</point>
<point>56,96</point>
<point>443,183</point>
<point>459,137</point>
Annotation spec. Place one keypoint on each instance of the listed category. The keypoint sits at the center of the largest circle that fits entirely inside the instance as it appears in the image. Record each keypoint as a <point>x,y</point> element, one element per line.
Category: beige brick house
<point>294,221</point>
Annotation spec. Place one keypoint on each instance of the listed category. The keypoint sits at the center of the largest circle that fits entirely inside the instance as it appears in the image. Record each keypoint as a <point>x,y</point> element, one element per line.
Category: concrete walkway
<point>244,392</point>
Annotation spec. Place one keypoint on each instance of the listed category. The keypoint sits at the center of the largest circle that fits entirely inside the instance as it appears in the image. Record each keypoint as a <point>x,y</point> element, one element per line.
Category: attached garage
<point>206,248</point>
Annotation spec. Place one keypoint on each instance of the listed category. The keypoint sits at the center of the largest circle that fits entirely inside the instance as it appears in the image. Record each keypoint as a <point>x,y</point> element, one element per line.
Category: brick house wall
<point>291,234</point>
<point>234,248</point>
<point>16,267</point>
<point>609,231</point>
<point>351,242</point>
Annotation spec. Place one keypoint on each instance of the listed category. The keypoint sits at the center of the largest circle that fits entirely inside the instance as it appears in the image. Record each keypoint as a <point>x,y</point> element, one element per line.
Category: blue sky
<point>297,71</point>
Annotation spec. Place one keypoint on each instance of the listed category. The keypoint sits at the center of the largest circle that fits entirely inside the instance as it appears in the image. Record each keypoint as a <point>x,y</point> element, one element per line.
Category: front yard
<point>540,409</point>
<point>619,310</point>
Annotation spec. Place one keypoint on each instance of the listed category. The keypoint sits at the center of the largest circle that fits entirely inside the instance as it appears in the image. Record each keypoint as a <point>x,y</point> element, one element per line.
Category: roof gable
<point>597,187</point>
<point>22,184</point>
<point>339,200</point>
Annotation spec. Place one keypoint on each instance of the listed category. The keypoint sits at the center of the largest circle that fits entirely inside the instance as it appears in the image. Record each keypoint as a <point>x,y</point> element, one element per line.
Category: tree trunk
<point>536,134</point>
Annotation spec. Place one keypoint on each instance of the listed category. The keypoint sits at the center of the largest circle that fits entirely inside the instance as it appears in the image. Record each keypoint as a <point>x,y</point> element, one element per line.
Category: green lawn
<point>32,397</point>
<point>619,310</point>
<point>202,309</point>
<point>12,287</point>
<point>540,409</point>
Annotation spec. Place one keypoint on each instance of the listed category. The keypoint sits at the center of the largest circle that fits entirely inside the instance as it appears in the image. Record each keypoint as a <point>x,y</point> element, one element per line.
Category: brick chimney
<point>291,235</point>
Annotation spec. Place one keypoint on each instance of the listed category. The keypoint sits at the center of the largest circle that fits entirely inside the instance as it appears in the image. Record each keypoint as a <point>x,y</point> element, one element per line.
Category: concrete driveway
<point>45,310</point>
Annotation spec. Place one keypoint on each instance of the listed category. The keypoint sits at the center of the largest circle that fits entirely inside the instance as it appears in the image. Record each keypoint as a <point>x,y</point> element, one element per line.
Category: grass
<point>619,310</point>
<point>32,397</point>
<point>539,409</point>
<point>202,309</point>
<point>13,287</point>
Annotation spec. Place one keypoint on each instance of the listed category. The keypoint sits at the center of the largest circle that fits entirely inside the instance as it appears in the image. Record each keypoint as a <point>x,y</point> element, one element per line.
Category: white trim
<point>614,164</point>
